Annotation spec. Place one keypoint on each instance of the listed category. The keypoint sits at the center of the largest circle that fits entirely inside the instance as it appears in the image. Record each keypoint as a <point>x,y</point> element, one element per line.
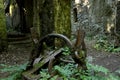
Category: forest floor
<point>19,54</point>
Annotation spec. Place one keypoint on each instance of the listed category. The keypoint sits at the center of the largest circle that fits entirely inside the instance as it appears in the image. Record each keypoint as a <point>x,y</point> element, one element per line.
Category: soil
<point>108,60</point>
<point>19,54</point>
<point>16,54</point>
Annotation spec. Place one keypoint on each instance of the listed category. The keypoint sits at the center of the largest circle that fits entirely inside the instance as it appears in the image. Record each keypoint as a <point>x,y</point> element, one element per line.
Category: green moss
<point>3,42</point>
<point>62,17</point>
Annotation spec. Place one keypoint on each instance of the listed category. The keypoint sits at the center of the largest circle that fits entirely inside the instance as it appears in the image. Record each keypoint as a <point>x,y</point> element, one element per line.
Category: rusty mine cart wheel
<point>45,54</point>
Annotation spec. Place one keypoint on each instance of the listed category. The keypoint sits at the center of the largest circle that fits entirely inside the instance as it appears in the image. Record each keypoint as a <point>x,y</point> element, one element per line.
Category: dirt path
<point>19,54</point>
<point>102,58</point>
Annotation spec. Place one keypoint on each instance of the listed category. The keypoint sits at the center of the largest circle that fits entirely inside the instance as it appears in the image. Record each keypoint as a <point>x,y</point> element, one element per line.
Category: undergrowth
<point>14,71</point>
<point>103,44</point>
<point>70,72</point>
<point>64,72</point>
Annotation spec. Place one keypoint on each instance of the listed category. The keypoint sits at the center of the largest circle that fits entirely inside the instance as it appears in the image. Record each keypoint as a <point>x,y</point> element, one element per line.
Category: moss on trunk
<point>62,19</point>
<point>54,15</point>
<point>3,33</point>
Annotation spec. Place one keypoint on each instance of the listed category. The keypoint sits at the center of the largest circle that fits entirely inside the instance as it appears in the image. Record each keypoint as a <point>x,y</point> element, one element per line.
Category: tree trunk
<point>117,24</point>
<point>46,17</point>
<point>36,20</point>
<point>3,33</point>
<point>62,19</point>
<point>28,11</point>
<point>52,16</point>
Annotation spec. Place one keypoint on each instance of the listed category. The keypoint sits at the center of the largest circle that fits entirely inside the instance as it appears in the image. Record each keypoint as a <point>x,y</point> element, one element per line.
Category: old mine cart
<point>46,55</point>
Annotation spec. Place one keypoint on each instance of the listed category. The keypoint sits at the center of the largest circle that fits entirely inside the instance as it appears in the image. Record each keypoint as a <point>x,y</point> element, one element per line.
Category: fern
<point>44,76</point>
<point>66,51</point>
<point>65,72</point>
<point>117,49</point>
<point>97,68</point>
<point>71,72</point>
<point>15,71</point>
<point>103,44</point>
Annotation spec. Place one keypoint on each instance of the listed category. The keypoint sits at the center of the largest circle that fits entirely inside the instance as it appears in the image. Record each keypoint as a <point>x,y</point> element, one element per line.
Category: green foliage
<point>66,51</point>
<point>44,76</point>
<point>97,68</point>
<point>15,71</point>
<point>118,71</point>
<point>117,49</point>
<point>103,44</point>
<point>15,76</point>
<point>71,72</point>
<point>65,71</point>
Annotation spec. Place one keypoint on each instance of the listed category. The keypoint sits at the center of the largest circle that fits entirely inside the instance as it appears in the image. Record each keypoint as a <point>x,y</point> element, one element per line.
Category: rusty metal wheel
<point>39,52</point>
<point>60,37</point>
